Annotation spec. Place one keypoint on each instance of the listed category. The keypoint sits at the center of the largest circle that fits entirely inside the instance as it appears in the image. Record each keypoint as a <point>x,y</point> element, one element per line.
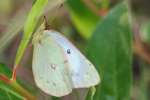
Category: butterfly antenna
<point>47,26</point>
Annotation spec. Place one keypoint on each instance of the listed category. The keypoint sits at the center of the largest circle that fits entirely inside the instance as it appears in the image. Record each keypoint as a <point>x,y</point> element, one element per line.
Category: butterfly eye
<point>68,51</point>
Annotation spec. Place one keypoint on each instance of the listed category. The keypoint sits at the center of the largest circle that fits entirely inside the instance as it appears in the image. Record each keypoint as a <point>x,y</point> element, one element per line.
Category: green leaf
<point>30,25</point>
<point>13,88</point>
<point>4,95</point>
<point>110,51</point>
<point>145,31</point>
<point>6,91</point>
<point>55,98</point>
<point>82,17</point>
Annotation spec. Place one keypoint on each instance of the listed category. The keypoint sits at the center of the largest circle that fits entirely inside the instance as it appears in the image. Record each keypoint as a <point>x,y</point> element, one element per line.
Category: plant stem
<point>17,87</point>
<point>22,90</point>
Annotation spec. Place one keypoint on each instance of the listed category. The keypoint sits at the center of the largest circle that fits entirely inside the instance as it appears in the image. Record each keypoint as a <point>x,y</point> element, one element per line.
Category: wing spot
<point>68,51</point>
<point>47,82</point>
<point>54,84</point>
<point>65,61</point>
<point>53,66</point>
<point>40,42</point>
<point>75,74</point>
<point>71,74</point>
<point>86,75</point>
<point>90,64</point>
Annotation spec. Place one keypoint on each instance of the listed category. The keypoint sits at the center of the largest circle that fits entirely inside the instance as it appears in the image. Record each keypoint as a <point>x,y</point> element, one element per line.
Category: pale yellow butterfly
<point>58,66</point>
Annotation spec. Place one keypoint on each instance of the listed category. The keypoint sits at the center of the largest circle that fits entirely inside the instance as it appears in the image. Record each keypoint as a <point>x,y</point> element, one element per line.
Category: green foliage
<point>4,95</point>
<point>110,50</point>
<point>6,91</point>
<point>82,17</point>
<point>105,3</point>
<point>145,32</point>
<point>30,25</point>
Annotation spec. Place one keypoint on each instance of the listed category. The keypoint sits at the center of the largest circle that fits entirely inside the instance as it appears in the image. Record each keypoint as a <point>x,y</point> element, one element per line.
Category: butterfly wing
<point>50,72</point>
<point>82,70</point>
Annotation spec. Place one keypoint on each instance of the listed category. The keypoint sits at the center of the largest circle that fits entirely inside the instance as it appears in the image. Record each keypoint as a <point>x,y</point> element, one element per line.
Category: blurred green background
<point>113,34</point>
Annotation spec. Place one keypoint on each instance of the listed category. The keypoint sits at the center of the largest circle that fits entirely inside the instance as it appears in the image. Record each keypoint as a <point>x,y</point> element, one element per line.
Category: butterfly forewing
<point>50,72</point>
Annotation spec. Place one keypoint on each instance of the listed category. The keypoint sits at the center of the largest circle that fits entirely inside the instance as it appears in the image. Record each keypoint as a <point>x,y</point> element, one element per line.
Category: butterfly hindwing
<point>82,71</point>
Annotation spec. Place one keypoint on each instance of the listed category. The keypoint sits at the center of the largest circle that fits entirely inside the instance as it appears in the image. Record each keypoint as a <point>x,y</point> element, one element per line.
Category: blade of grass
<point>30,24</point>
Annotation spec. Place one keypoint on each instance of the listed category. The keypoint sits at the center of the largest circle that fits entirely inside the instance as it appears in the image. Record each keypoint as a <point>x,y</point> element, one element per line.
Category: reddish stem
<point>14,73</point>
<point>103,12</point>
<point>5,78</point>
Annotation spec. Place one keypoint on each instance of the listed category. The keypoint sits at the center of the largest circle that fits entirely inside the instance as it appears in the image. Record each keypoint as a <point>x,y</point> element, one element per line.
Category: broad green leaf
<point>82,17</point>
<point>6,91</point>
<point>30,25</point>
<point>110,50</point>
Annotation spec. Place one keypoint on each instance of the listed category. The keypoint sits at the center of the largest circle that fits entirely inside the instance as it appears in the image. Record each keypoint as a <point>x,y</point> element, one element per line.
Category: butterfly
<point>58,66</point>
